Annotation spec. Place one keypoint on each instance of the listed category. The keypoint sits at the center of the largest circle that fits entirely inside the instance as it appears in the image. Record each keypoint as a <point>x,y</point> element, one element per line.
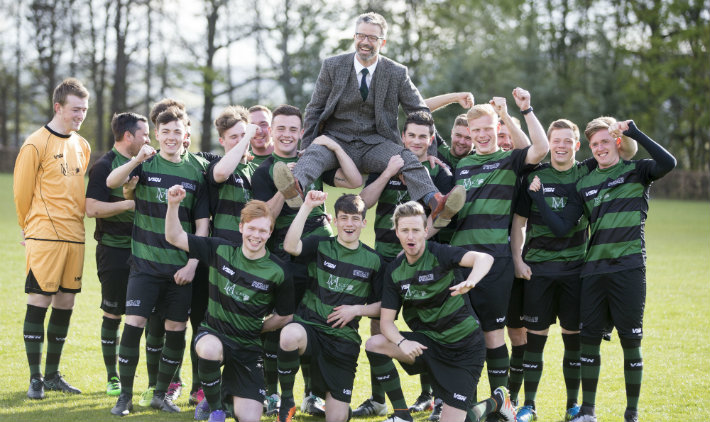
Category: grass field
<point>676,376</point>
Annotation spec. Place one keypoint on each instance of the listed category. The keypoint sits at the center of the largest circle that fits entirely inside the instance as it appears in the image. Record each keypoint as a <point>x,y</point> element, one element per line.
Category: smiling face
<point>231,137</point>
<point>138,139</point>
<point>484,132</point>
<point>365,49</point>
<point>563,146</point>
<point>417,139</point>
<point>505,141</point>
<point>255,233</point>
<point>411,233</point>
<point>261,141</point>
<point>349,227</point>
<point>604,148</point>
<point>286,132</point>
<point>71,114</point>
<point>170,136</point>
<point>461,142</point>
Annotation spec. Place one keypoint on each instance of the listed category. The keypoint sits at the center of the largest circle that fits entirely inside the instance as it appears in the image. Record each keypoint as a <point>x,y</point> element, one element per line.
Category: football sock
<point>109,344</point>
<point>154,339</point>
<point>57,330</point>
<point>378,393</point>
<point>482,409</point>
<point>571,367</point>
<point>306,373</point>
<point>633,371</point>
<point>271,349</point>
<point>210,380</point>
<point>515,378</point>
<point>532,366</point>
<point>33,333</point>
<point>128,355</point>
<point>288,362</point>
<point>170,360</point>
<point>497,362</point>
<point>387,376</point>
<point>425,381</point>
<point>591,365</point>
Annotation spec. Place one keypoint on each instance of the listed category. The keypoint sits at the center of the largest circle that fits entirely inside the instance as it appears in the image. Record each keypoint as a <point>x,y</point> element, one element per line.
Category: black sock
<point>288,363</point>
<point>210,378</point>
<point>385,371</point>
<point>57,330</point>
<point>497,362</point>
<point>515,378</point>
<point>591,365</point>
<point>33,333</point>
<point>154,341</point>
<point>170,360</point>
<point>532,366</point>
<point>633,371</point>
<point>109,344</point>
<point>571,367</point>
<point>128,355</point>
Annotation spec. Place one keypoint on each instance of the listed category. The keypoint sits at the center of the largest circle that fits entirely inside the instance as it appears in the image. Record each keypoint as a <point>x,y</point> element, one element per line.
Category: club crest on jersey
<point>161,195</point>
<point>558,203</point>
<point>473,183</point>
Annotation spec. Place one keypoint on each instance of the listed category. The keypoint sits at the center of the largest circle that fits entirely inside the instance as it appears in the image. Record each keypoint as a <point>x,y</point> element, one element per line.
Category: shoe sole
<point>285,183</point>
<point>454,203</point>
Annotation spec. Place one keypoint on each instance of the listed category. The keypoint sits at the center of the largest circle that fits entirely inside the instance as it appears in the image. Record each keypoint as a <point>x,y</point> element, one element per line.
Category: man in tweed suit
<point>355,102</point>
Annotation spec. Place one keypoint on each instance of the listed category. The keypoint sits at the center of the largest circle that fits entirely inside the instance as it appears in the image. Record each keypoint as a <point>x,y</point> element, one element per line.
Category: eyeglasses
<point>371,38</point>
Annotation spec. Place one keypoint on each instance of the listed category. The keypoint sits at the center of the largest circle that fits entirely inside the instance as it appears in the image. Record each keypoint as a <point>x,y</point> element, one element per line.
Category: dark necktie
<point>363,84</point>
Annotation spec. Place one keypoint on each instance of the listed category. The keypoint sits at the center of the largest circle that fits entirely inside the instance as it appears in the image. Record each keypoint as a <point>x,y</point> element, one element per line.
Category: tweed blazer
<point>392,88</point>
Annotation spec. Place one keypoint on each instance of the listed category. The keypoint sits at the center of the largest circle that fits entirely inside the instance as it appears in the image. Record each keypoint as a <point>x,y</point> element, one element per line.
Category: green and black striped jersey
<point>395,193</point>
<point>227,200</point>
<point>422,291</point>
<point>484,221</point>
<point>242,291</point>
<point>338,276</point>
<point>150,252</point>
<point>258,159</point>
<point>544,252</point>
<point>264,189</point>
<point>114,231</point>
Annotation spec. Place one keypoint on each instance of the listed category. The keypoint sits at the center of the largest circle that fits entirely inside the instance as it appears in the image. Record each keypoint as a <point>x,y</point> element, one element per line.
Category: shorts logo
<point>329,265</point>
<point>154,179</point>
<point>529,318</point>
<point>133,303</point>
<point>347,392</point>
<point>501,319</point>
<point>188,186</point>
<point>259,285</point>
<point>460,397</point>
<point>360,273</point>
<point>426,277</point>
<point>636,330</point>
<point>228,270</point>
<point>262,391</point>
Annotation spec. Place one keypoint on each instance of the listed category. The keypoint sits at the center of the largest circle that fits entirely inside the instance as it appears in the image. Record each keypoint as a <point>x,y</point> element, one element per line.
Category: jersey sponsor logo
<point>491,166</point>
<point>188,186</point>
<point>228,270</point>
<point>549,190</point>
<point>259,285</point>
<point>395,183</point>
<point>591,192</point>
<point>459,397</point>
<point>463,172</point>
<point>154,179</point>
<point>360,273</point>
<point>618,181</point>
<point>58,156</point>
<point>133,303</point>
<point>329,265</point>
<point>426,277</point>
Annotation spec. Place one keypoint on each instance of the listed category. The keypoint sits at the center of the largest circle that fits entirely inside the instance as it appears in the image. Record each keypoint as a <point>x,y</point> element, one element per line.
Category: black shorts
<point>514,319</point>
<point>550,297</point>
<point>333,363</point>
<point>454,371</point>
<point>147,292</point>
<point>614,299</point>
<point>243,373</point>
<point>491,295</point>
<point>113,269</point>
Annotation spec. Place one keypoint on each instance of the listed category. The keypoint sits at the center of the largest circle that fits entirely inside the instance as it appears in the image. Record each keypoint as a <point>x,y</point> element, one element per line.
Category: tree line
<point>648,61</point>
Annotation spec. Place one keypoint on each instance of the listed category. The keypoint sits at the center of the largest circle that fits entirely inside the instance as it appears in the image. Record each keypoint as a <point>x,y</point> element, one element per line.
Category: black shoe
<point>57,383</point>
<point>164,403</point>
<point>36,390</point>
<point>424,402</point>
<point>124,405</point>
<point>436,413</point>
<point>631,416</point>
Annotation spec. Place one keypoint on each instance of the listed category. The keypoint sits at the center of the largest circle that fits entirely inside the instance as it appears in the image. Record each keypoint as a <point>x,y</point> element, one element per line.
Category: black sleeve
<point>209,176</point>
<point>562,223</point>
<point>391,298</point>
<point>328,177</point>
<point>438,140</point>
<point>96,188</point>
<point>661,161</point>
<point>518,156</point>
<point>371,178</point>
<point>204,248</point>
<point>209,156</point>
<point>202,201</point>
<point>523,203</point>
<point>444,180</point>
<point>262,184</point>
<point>376,284</point>
<point>448,256</point>
<point>309,248</point>
<point>284,294</point>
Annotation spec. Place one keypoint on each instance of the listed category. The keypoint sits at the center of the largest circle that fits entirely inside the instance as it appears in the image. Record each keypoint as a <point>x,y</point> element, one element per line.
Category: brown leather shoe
<point>447,206</point>
<point>288,185</point>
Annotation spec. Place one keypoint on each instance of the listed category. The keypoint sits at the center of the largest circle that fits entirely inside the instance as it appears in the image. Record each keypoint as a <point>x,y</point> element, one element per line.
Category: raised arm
<point>292,241</point>
<point>371,193</point>
<point>174,233</point>
<point>465,100</point>
<point>517,135</point>
<point>226,166</point>
<point>664,161</point>
<point>347,176</point>
<point>120,175</point>
<point>540,146</point>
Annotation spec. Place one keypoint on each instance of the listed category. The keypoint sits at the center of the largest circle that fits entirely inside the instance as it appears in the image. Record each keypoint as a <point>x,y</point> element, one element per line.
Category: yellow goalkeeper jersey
<point>49,186</point>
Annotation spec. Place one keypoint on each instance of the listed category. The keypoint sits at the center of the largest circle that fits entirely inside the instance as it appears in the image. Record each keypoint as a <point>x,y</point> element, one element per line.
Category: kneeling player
<point>345,285</point>
<point>245,282</point>
<point>446,340</point>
